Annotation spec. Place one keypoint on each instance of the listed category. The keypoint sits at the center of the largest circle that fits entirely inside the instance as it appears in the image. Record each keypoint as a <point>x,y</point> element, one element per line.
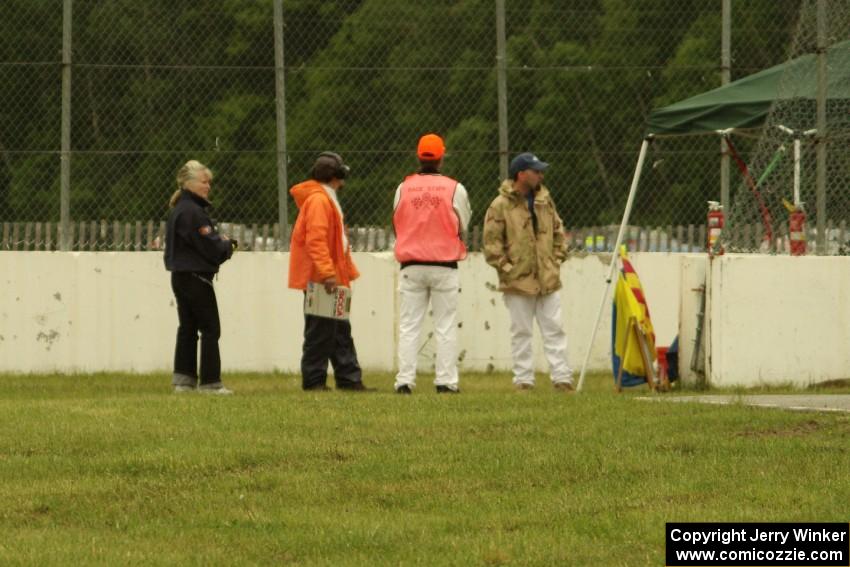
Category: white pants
<point>547,309</point>
<point>417,286</point>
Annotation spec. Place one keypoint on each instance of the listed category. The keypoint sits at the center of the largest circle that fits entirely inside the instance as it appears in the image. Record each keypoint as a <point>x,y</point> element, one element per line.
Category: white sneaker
<point>217,391</point>
<point>180,389</point>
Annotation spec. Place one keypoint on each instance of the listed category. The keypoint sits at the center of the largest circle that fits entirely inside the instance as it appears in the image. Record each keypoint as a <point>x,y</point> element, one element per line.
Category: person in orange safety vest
<point>431,214</point>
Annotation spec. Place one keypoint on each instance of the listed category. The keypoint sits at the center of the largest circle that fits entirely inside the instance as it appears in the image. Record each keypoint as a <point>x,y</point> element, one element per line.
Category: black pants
<point>197,311</point>
<point>328,340</point>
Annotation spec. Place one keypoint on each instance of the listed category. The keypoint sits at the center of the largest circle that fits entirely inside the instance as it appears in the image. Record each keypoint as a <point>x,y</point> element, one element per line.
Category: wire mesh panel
<point>685,171</point>
<point>156,83</point>
<point>391,72</point>
<point>30,53</point>
<point>786,157</point>
<point>582,77</point>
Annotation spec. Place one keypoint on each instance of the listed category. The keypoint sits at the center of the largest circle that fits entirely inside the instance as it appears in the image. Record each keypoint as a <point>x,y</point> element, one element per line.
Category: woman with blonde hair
<point>194,250</point>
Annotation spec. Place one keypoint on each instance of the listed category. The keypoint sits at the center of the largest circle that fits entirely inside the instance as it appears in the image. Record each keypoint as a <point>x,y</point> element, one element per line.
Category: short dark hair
<point>429,166</point>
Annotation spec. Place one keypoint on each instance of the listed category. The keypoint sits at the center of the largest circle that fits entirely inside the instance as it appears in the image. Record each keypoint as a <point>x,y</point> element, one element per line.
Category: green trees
<point>156,83</point>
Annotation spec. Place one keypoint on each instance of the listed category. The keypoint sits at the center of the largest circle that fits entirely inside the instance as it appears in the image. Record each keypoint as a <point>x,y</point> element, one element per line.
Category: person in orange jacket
<point>319,252</point>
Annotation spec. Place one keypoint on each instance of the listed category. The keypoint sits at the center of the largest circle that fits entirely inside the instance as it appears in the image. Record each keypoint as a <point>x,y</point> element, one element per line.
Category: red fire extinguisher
<point>797,229</point>
<point>715,227</point>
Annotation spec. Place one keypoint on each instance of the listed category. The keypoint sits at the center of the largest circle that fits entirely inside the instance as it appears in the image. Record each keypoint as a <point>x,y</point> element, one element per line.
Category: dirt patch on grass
<point>796,430</point>
<point>843,383</point>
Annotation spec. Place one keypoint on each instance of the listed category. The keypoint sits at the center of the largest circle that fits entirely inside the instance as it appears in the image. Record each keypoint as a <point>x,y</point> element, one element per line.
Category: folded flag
<point>630,302</point>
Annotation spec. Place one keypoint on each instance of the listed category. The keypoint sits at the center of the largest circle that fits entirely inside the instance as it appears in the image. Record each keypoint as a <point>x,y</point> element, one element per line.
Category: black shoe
<point>355,387</point>
<point>403,389</point>
<point>316,388</point>
<point>446,390</point>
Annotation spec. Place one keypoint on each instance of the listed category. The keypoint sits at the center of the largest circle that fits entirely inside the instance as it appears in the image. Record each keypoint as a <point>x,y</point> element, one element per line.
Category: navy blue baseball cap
<point>526,161</point>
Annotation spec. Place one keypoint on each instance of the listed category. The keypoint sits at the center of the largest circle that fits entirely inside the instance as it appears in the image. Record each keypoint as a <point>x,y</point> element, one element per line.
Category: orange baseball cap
<point>431,147</point>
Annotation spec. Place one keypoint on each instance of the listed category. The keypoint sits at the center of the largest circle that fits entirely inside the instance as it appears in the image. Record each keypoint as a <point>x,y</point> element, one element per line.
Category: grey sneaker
<point>180,389</point>
<point>222,391</point>
<point>524,387</point>
<point>566,387</point>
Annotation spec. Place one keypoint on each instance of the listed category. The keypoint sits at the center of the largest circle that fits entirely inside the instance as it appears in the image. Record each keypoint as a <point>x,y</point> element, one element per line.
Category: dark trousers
<point>197,311</point>
<point>328,340</point>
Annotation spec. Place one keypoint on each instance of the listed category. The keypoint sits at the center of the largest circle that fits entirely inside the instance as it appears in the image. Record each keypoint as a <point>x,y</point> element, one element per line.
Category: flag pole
<point>629,203</point>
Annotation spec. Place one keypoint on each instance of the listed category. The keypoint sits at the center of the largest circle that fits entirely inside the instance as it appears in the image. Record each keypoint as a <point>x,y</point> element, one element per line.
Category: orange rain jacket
<point>315,252</point>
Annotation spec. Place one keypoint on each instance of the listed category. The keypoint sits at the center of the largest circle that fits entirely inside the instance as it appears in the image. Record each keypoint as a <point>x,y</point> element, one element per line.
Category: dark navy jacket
<point>191,241</point>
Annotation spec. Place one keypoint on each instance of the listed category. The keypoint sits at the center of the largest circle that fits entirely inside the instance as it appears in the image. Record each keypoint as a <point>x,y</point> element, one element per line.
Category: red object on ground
<point>662,360</point>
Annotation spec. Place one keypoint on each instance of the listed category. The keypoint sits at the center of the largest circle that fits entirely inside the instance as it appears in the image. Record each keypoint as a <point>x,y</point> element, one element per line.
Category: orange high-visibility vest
<point>426,225</point>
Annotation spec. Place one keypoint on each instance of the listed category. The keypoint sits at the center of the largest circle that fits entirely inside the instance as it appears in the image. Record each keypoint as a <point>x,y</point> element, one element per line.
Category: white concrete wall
<point>778,320</point>
<point>88,311</point>
<point>692,277</point>
<point>770,319</point>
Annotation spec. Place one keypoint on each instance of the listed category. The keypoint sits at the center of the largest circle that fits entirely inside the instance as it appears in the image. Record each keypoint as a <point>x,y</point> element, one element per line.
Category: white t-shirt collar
<point>332,194</point>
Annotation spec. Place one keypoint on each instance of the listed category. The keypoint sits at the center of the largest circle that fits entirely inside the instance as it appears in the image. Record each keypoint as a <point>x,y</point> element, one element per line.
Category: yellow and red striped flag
<point>630,301</point>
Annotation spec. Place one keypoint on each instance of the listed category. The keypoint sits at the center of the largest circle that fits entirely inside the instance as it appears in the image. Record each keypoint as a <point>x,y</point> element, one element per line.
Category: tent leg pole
<point>629,203</point>
<point>797,171</point>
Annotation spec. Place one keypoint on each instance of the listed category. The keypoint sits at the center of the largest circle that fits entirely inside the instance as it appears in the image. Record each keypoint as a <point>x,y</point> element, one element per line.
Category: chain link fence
<point>156,83</point>
<point>796,142</point>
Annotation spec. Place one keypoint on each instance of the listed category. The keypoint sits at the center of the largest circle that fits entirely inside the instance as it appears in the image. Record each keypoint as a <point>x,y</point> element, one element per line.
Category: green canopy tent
<point>742,104</point>
<point>746,102</point>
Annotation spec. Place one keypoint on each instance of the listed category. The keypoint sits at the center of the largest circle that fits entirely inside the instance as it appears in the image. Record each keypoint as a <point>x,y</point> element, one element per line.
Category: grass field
<point>116,470</point>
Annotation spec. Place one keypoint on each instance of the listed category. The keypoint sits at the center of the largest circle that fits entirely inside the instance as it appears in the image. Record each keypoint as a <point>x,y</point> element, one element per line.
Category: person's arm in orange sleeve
<point>317,238</point>
<point>353,272</point>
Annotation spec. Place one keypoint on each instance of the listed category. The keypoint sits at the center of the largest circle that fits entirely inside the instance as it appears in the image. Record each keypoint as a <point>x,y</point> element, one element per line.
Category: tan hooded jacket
<point>527,263</point>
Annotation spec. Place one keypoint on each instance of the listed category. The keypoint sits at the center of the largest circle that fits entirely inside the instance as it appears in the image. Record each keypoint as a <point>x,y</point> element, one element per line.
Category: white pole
<point>638,168</point>
<point>797,171</point>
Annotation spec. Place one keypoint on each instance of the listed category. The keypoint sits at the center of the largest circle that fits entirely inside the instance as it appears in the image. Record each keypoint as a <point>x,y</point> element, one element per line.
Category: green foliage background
<point>156,83</point>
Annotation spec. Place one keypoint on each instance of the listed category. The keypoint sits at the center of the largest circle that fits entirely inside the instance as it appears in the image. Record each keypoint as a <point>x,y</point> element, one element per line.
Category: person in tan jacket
<point>320,253</point>
<point>524,241</point>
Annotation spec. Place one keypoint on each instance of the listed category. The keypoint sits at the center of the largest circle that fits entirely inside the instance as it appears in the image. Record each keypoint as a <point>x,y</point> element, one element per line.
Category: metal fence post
<point>502,80</point>
<point>821,135</point>
<point>280,107</point>
<point>725,77</point>
<point>65,155</point>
